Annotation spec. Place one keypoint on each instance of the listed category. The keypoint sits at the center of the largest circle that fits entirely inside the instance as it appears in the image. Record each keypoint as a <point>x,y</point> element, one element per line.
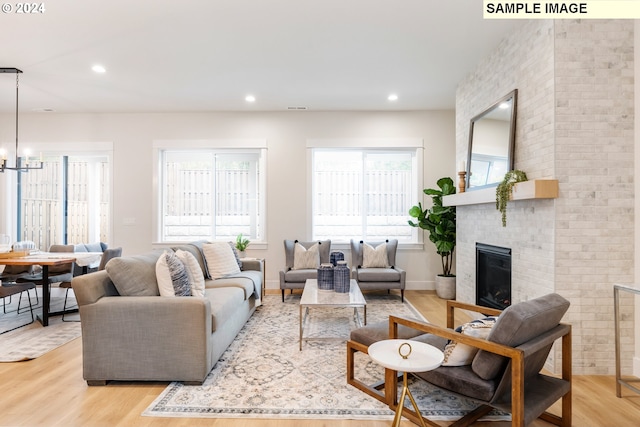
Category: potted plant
<point>505,189</point>
<point>440,222</point>
<point>241,244</point>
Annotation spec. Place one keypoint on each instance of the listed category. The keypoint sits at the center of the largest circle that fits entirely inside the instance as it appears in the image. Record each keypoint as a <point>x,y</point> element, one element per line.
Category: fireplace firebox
<point>493,276</point>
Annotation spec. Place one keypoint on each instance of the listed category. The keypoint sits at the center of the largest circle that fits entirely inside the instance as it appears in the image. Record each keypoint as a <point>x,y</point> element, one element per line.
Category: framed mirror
<point>491,143</point>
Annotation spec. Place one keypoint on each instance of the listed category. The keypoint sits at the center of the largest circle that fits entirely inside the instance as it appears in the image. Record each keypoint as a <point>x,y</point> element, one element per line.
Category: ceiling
<point>207,55</point>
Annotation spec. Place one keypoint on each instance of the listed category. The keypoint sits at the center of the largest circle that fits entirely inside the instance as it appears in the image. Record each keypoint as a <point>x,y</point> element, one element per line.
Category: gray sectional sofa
<point>130,333</point>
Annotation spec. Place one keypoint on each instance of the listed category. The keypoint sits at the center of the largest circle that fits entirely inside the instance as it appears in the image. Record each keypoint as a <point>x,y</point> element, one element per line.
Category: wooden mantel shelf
<point>533,189</point>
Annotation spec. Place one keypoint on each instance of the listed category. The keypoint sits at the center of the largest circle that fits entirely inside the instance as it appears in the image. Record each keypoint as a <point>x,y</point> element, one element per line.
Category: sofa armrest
<point>252,264</point>
<point>146,338</point>
<point>89,288</point>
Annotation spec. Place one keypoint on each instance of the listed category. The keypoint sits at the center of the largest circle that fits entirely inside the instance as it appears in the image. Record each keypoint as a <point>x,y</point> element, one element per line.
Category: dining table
<point>46,260</point>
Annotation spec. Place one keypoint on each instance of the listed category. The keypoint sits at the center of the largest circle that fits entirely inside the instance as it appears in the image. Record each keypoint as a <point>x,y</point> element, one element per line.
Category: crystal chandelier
<point>36,164</point>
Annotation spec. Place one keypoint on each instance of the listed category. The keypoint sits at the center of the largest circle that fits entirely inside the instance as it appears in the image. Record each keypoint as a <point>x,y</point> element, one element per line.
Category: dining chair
<point>8,292</point>
<point>107,255</point>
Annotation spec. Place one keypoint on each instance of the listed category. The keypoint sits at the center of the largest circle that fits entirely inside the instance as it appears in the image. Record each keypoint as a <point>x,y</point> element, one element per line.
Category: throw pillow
<point>375,258</point>
<point>194,271</point>
<point>220,259</point>
<point>304,258</point>
<point>135,275</point>
<point>236,254</point>
<point>173,280</point>
<point>458,354</point>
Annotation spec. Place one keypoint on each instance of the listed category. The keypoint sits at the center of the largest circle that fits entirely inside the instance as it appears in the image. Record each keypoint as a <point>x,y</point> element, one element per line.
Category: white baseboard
<point>413,286</point>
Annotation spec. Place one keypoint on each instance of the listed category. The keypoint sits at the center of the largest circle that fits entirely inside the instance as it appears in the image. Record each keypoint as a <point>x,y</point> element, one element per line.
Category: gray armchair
<point>504,374</point>
<point>376,278</point>
<point>291,278</point>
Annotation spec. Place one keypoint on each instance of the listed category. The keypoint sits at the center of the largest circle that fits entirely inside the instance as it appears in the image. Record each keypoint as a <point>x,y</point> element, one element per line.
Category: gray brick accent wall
<point>575,123</point>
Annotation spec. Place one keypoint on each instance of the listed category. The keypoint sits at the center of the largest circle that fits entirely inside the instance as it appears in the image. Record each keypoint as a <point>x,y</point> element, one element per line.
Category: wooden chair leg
<point>378,390</point>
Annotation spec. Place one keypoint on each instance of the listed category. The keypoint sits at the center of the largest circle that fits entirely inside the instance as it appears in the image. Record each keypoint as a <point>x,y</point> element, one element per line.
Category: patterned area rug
<point>263,374</point>
<point>31,341</point>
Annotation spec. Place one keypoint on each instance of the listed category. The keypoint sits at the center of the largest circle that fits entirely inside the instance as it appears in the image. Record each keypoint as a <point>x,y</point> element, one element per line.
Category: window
<point>210,194</point>
<point>65,202</point>
<point>363,193</point>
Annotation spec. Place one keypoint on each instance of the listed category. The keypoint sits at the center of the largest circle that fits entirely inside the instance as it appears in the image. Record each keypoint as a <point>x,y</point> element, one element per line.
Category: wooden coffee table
<point>314,297</point>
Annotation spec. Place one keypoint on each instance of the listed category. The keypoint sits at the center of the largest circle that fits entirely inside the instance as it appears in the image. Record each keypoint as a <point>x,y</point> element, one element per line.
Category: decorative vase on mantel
<point>446,287</point>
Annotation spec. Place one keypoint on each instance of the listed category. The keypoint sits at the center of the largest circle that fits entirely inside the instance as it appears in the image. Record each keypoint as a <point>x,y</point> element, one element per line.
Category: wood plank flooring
<point>50,391</point>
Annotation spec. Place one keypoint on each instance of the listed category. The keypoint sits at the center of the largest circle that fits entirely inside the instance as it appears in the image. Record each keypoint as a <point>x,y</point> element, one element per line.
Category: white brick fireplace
<point>575,124</point>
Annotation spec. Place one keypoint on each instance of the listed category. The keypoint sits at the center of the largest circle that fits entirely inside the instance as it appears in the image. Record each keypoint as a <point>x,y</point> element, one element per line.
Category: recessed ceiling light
<point>504,105</point>
<point>99,68</point>
<point>392,97</point>
<point>250,98</point>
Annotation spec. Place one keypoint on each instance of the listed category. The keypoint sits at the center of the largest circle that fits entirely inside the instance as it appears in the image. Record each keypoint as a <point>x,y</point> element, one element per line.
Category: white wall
<point>132,136</point>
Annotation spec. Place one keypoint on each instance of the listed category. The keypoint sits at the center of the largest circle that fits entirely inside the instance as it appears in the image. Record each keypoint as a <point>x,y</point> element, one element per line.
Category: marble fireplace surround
<point>529,233</point>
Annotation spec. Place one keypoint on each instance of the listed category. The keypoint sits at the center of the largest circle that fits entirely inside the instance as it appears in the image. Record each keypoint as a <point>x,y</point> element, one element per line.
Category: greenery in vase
<point>439,221</point>
<point>505,189</point>
<point>242,243</point>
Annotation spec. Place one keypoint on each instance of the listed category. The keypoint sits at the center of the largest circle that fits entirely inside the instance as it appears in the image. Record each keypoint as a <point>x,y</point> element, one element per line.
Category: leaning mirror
<point>491,142</point>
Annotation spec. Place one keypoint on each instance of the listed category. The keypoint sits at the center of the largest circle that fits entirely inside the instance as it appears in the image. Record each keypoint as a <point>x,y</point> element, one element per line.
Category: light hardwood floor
<point>49,391</point>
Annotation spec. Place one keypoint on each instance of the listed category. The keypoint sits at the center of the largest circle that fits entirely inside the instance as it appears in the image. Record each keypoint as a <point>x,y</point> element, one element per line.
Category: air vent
<point>296,108</point>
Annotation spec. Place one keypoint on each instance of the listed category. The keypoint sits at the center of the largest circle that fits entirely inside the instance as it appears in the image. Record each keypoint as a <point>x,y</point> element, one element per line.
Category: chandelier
<point>35,164</point>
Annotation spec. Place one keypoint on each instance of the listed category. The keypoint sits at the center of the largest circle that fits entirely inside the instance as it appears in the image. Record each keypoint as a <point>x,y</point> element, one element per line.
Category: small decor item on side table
<point>325,277</point>
<point>241,244</point>
<point>341,278</point>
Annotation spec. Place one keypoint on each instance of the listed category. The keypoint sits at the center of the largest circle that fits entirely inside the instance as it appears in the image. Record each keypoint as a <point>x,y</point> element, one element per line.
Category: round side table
<point>406,356</point>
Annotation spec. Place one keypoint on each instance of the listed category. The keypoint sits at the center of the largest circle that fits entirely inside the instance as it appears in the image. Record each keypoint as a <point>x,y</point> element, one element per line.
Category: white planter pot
<point>446,287</point>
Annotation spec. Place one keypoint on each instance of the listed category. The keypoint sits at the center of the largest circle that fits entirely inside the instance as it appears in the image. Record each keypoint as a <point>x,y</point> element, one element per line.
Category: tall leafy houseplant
<point>439,221</point>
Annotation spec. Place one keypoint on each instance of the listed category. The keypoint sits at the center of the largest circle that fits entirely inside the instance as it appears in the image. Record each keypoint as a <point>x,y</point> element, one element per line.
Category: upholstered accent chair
<point>374,275</point>
<point>295,274</point>
<point>505,373</point>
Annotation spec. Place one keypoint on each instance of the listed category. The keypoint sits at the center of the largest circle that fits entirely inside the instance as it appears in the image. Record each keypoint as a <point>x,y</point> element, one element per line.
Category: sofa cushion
<point>249,281</point>
<point>304,258</point>
<point>375,257</point>
<point>194,271</point>
<point>135,275</point>
<point>298,276</point>
<point>516,325</point>
<point>172,277</point>
<point>224,302</point>
<point>378,275</point>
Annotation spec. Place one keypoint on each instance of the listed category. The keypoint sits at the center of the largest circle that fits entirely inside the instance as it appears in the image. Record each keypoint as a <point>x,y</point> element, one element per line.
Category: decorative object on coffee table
<point>325,277</point>
<point>341,277</point>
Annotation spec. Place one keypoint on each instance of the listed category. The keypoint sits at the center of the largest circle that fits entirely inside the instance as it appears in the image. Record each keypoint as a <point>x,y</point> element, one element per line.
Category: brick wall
<point>575,123</point>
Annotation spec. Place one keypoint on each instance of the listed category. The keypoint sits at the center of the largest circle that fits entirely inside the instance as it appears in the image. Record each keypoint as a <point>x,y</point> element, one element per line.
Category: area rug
<point>263,374</point>
<point>34,340</point>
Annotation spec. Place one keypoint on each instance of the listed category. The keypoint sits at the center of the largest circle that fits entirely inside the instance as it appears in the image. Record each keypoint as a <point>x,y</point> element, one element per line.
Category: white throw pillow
<point>220,259</point>
<point>304,258</point>
<point>172,276</point>
<point>457,354</point>
<point>194,271</point>
<point>375,258</point>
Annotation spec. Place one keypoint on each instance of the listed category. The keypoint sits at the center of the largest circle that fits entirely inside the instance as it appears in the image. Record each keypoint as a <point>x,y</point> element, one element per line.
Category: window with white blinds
<point>363,193</point>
